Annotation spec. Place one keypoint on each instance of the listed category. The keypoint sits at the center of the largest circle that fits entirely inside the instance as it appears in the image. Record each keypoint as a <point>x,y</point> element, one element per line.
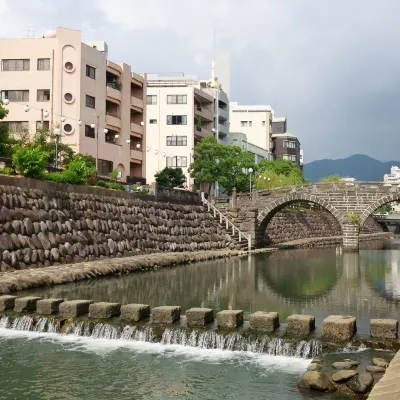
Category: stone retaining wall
<point>45,223</point>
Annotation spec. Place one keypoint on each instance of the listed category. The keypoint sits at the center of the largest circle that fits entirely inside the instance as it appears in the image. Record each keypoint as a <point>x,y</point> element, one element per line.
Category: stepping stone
<point>199,316</point>
<point>74,308</point>
<point>7,302</point>
<point>374,368</point>
<point>300,325</point>
<point>262,321</point>
<point>48,306</point>
<point>165,314</point>
<point>384,328</point>
<point>26,303</point>
<point>380,362</point>
<point>103,310</point>
<point>345,364</point>
<point>230,319</point>
<point>344,375</point>
<point>135,312</point>
<point>338,328</point>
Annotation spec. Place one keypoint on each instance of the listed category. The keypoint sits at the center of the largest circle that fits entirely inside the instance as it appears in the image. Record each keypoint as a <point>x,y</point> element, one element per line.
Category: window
<point>69,66</point>
<point>176,119</point>
<point>41,125</point>
<point>289,157</point>
<point>15,65</point>
<point>17,126</point>
<point>90,72</point>
<point>68,97</point>
<point>15,95</point>
<point>243,123</point>
<point>176,162</point>
<point>90,101</point>
<point>177,99</point>
<point>104,167</point>
<point>68,128</point>
<point>43,95</point>
<point>289,144</point>
<point>151,99</point>
<point>176,140</point>
<point>89,131</point>
<point>153,121</point>
<point>250,123</point>
<point>263,123</point>
<point>43,64</point>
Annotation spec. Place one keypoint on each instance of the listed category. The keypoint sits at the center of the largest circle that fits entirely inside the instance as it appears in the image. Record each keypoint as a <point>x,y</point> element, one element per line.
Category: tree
<point>332,178</point>
<point>170,177</point>
<point>6,141</point>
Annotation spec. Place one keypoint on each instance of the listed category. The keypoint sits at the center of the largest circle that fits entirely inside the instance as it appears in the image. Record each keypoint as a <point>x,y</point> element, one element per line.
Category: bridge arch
<point>267,213</point>
<point>387,198</point>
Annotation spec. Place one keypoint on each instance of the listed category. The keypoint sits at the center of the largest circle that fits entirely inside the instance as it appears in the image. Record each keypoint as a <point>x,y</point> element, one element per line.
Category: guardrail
<point>228,223</point>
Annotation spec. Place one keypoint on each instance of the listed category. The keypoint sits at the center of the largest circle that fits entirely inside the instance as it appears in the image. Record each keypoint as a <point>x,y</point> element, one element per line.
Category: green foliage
<point>386,208</point>
<point>101,184</point>
<point>75,174</point>
<point>331,178</point>
<point>6,142</point>
<point>30,161</point>
<point>114,175</point>
<point>226,164</point>
<point>7,171</point>
<point>280,167</point>
<point>87,159</point>
<point>170,177</point>
<point>355,218</point>
<point>91,176</point>
<point>115,186</point>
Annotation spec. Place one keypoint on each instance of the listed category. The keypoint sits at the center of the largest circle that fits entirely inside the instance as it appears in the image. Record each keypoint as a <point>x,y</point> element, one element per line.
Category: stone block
<point>48,306</point>
<point>7,302</point>
<point>165,314</point>
<point>338,328</point>
<point>103,310</point>
<point>27,303</point>
<point>199,316</point>
<point>230,319</point>
<point>74,308</point>
<point>263,321</point>
<point>135,312</point>
<point>384,328</point>
<point>300,325</point>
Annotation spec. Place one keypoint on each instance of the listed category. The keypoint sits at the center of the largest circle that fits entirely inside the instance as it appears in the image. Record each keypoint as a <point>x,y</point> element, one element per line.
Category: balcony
<point>223,130</point>
<point>202,132</point>
<point>137,79</point>
<point>137,102</point>
<point>113,93</point>
<point>223,113</point>
<point>204,113</point>
<point>137,129</point>
<point>113,68</point>
<point>137,155</point>
<point>113,120</point>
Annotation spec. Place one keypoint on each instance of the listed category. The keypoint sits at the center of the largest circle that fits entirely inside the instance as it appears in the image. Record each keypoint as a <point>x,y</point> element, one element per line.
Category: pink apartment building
<point>61,82</point>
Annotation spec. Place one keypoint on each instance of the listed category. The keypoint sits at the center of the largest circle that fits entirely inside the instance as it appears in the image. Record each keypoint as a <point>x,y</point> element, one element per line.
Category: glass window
<point>15,65</point>
<point>289,157</point>
<point>15,95</point>
<point>176,162</point>
<point>176,120</point>
<point>90,72</point>
<point>153,121</point>
<point>90,101</point>
<point>151,99</point>
<point>104,167</point>
<point>243,123</point>
<point>263,123</point>
<point>43,64</point>
<point>89,131</point>
<point>250,123</point>
<point>289,144</point>
<point>43,95</point>
<point>17,126</point>
<point>176,140</point>
<point>177,99</point>
<point>41,125</point>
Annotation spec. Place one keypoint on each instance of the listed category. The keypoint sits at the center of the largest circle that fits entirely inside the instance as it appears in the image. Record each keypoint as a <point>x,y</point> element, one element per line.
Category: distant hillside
<point>359,166</point>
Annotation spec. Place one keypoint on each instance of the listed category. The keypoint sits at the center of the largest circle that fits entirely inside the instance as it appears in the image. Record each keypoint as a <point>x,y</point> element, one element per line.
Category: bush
<point>31,161</point>
<point>89,161</point>
<point>101,184</point>
<point>115,186</point>
<point>56,177</point>
<point>91,176</point>
<point>7,171</point>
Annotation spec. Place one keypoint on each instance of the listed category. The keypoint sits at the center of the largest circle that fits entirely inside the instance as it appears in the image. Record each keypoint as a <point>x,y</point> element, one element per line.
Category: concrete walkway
<point>388,388</point>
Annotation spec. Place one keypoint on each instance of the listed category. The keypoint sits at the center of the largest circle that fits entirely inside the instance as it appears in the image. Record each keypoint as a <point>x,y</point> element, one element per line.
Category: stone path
<point>388,388</point>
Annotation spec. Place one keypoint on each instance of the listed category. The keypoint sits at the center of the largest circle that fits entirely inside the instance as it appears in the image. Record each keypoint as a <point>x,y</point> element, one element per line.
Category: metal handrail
<point>228,223</point>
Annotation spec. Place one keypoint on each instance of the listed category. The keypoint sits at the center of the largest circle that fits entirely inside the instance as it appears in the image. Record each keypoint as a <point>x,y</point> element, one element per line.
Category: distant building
<point>240,139</point>
<point>394,176</point>
<point>287,146</point>
<point>279,125</point>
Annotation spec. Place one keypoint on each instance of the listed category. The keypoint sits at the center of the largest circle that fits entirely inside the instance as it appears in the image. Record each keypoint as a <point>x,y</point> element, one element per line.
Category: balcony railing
<point>137,102</point>
<point>115,85</point>
<point>137,155</point>
<point>137,128</point>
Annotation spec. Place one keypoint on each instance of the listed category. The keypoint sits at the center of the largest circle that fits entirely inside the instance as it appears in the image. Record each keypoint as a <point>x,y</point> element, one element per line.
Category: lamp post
<point>250,172</point>
<point>57,134</point>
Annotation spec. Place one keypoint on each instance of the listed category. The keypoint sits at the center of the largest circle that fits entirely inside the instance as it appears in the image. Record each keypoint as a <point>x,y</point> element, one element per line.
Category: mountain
<point>359,166</point>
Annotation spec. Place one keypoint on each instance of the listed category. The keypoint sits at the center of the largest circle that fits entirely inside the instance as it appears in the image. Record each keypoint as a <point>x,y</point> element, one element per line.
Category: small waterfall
<point>127,332</point>
<point>237,342</point>
<point>145,334</point>
<point>81,328</point>
<point>4,322</point>
<point>24,323</point>
<point>41,325</point>
<point>105,331</point>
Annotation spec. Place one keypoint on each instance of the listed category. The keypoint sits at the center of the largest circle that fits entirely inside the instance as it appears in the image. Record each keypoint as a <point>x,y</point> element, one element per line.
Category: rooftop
<point>279,119</point>
<point>286,134</point>
<point>236,107</point>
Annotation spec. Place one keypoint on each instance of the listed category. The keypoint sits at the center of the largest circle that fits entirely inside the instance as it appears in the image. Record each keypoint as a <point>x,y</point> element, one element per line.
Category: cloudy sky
<point>331,66</point>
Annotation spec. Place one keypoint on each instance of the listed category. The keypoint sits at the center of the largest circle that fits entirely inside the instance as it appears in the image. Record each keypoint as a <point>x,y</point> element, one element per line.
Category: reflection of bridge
<point>351,203</point>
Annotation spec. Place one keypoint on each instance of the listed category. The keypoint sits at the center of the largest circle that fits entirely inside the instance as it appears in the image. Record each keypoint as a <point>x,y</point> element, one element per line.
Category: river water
<point>318,282</point>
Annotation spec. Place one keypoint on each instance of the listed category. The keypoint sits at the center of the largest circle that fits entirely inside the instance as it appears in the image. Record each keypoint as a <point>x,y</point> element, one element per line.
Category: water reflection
<point>319,282</point>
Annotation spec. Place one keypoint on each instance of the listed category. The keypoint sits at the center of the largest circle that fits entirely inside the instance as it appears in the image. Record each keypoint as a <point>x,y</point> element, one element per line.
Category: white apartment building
<point>393,177</point>
<point>61,82</point>
<point>181,110</point>
<point>254,121</point>
<point>240,139</point>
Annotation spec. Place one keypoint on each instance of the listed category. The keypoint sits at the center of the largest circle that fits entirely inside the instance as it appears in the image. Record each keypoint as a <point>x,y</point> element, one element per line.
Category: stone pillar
<point>154,189</point>
<point>234,198</point>
<point>351,232</point>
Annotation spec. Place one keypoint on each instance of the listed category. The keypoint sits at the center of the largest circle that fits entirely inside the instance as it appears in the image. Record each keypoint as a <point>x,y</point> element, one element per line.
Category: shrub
<point>7,171</point>
<point>115,185</point>
<point>56,177</point>
<point>91,176</point>
<point>89,161</point>
<point>114,175</point>
<point>30,161</point>
<point>101,184</point>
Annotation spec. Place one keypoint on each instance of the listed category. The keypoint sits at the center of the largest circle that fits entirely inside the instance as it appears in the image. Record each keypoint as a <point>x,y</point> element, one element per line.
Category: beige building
<point>254,121</point>
<point>181,111</point>
<point>61,82</point>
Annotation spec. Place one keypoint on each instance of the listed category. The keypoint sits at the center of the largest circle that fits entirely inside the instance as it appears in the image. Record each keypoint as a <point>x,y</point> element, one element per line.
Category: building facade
<point>240,139</point>
<point>254,121</point>
<point>394,176</point>
<point>181,110</point>
<point>287,146</point>
<point>58,81</point>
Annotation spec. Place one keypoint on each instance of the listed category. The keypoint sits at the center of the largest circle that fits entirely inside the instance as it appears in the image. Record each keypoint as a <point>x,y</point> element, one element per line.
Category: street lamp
<point>57,134</point>
<point>250,172</point>
<point>6,102</point>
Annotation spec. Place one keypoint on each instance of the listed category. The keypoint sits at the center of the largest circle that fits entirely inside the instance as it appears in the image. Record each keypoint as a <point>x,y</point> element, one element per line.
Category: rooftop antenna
<point>30,32</point>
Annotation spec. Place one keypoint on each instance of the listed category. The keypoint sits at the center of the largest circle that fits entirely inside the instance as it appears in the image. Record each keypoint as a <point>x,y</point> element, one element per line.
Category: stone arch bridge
<point>351,203</point>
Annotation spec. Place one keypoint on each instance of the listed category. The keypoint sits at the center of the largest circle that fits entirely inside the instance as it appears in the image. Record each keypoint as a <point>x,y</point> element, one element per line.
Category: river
<point>317,282</point>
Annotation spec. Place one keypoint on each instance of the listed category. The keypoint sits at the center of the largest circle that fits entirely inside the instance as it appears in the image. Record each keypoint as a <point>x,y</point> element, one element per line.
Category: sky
<point>331,66</point>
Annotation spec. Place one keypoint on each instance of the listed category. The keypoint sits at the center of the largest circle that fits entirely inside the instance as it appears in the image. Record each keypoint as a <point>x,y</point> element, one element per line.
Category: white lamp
<point>26,108</point>
<point>93,126</point>
<point>79,122</point>
<point>250,170</point>
<point>63,119</point>
<point>116,136</point>
<point>142,123</point>
<point>147,149</point>
<point>56,132</point>
<point>105,130</point>
<point>213,129</point>
<point>138,146</point>
<point>46,114</point>
<point>128,141</point>
<point>6,102</point>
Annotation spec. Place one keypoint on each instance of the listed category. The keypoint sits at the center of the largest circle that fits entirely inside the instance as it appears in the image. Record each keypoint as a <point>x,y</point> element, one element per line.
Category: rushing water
<point>102,361</point>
